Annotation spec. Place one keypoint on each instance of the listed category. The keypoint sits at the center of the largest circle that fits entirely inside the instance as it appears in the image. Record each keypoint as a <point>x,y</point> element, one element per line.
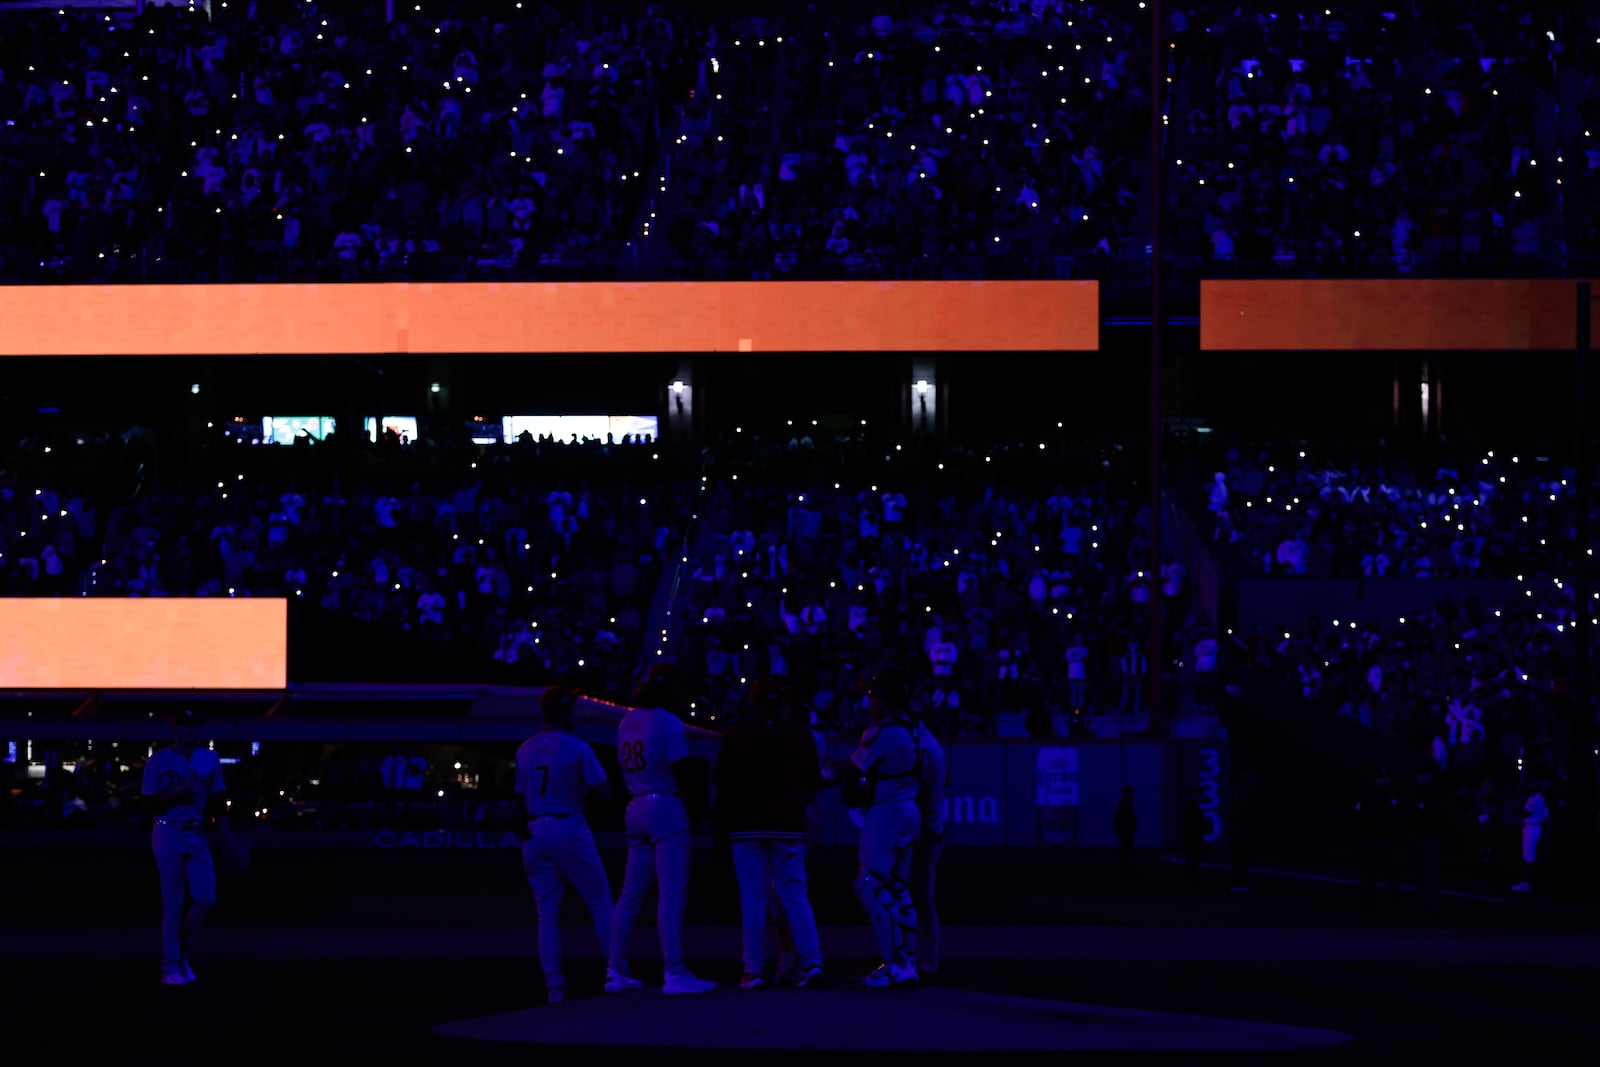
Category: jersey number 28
<point>633,756</point>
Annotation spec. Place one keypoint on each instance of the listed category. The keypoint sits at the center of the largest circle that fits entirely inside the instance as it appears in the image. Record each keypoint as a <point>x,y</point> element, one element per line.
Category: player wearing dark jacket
<point>766,775</point>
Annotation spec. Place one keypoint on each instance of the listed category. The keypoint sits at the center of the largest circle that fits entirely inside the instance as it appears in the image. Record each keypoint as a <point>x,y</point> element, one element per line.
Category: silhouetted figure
<point>766,775</point>
<point>1536,813</point>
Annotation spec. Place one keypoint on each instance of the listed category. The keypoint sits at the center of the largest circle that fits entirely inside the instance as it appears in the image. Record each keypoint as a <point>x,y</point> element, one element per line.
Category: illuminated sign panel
<point>1405,315</point>
<point>473,317</point>
<point>157,643</point>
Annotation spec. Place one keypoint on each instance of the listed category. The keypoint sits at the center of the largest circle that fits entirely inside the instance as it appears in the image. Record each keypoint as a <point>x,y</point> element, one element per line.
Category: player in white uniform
<point>888,765</point>
<point>555,772</point>
<point>183,788</point>
<point>933,782</point>
<point>651,746</point>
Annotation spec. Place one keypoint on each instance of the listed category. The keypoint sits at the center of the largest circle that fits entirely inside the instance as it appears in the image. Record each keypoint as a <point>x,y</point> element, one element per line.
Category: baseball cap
<point>662,687</point>
<point>558,699</point>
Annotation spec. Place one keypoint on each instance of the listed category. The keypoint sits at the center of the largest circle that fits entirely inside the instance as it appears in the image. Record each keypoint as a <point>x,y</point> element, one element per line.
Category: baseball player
<point>1536,814</point>
<point>887,763</point>
<point>766,774</point>
<point>652,749</point>
<point>933,783</point>
<point>183,789</point>
<point>555,772</point>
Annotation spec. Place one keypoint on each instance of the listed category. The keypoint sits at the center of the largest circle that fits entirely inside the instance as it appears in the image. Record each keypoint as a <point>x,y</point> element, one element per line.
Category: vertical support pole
<point>1583,763</point>
<point>1157,657</point>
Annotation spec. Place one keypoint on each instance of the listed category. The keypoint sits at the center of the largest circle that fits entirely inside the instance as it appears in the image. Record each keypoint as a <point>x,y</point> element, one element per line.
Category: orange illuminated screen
<point>207,320</point>
<point>1532,315</point>
<point>67,643</point>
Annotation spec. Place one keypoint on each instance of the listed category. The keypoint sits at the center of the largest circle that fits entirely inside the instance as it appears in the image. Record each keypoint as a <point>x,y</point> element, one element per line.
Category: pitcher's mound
<point>899,1020</point>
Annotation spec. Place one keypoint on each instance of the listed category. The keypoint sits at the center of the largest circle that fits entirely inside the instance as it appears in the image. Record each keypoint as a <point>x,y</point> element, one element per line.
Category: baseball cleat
<point>174,978</point>
<point>752,981</point>
<point>188,971</point>
<point>683,985</point>
<point>621,983</point>
<point>880,978</point>
<point>555,994</point>
<point>810,978</point>
<point>1522,887</point>
<point>903,973</point>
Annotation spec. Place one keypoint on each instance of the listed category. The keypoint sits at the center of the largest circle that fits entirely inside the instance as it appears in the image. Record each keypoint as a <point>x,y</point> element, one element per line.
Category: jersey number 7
<point>544,777</point>
<point>633,756</point>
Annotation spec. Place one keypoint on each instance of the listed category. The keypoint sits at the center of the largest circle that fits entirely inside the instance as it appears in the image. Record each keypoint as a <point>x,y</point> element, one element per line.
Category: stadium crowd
<point>325,141</point>
<point>1008,577</point>
<point>333,142</point>
<point>807,557</point>
<point>1478,679</point>
<point>540,553</point>
<point>1466,682</point>
<point>1383,138</point>
<point>941,138</point>
<point>338,141</point>
<point>1014,577</point>
<point>1346,512</point>
<point>1006,598</point>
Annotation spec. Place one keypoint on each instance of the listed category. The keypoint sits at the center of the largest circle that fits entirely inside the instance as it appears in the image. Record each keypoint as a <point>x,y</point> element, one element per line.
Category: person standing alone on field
<point>183,787</point>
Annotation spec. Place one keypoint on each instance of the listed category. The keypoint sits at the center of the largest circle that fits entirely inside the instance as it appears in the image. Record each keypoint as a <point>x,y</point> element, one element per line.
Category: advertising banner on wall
<point>163,643</point>
<point>1200,766</point>
<point>1025,794</point>
<point>1056,794</point>
<point>568,317</point>
<point>1414,314</point>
